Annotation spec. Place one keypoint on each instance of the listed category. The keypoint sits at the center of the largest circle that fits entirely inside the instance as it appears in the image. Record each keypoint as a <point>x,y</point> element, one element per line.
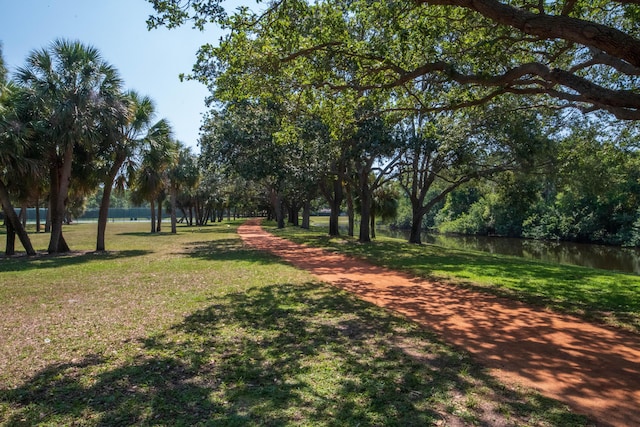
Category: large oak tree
<point>579,53</point>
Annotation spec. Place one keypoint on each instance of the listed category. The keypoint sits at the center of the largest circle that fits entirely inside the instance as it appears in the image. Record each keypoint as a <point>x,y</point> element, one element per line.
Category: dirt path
<point>592,368</point>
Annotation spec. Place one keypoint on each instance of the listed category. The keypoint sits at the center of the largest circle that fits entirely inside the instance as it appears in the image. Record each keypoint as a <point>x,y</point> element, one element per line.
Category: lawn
<point>196,329</point>
<point>594,294</point>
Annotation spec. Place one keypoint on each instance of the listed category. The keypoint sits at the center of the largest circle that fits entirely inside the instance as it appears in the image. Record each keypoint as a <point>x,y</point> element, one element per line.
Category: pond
<point>587,255</point>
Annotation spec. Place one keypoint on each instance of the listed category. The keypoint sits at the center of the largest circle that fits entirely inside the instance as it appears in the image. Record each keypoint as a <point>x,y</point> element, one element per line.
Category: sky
<point>149,62</point>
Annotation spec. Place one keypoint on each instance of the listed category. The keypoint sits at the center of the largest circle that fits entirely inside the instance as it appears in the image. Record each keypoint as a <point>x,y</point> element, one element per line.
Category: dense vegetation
<point>469,117</point>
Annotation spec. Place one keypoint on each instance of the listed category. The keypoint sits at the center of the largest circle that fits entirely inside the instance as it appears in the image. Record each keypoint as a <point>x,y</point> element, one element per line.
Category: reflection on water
<point>587,255</point>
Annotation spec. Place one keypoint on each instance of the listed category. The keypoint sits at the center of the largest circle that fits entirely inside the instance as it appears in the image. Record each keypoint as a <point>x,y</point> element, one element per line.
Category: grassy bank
<point>196,329</point>
<point>594,294</point>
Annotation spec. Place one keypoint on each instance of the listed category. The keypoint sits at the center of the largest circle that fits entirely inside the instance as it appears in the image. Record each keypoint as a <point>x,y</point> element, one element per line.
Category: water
<point>587,255</point>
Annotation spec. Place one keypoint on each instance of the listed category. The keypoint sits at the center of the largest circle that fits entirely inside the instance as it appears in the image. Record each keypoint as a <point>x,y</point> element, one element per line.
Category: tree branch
<point>588,33</point>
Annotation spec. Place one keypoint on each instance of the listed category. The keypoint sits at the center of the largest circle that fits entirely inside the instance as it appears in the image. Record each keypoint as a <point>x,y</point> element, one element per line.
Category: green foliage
<point>596,193</point>
<point>475,220</point>
<point>473,94</point>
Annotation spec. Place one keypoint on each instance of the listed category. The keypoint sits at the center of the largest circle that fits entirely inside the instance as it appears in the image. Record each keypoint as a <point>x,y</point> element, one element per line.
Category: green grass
<point>197,329</point>
<point>600,295</point>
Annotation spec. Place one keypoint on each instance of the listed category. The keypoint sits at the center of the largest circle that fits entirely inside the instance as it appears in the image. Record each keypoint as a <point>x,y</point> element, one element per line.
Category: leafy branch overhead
<point>576,53</point>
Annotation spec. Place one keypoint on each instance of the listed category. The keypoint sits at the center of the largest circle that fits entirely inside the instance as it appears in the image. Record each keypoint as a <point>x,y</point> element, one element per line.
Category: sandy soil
<point>593,368</point>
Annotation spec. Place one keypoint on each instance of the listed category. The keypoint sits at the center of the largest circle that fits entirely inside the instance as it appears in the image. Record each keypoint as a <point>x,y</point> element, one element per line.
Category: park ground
<point>200,329</point>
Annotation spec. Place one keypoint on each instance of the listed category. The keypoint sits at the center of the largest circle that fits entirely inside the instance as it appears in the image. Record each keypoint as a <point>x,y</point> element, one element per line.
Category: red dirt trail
<point>592,368</point>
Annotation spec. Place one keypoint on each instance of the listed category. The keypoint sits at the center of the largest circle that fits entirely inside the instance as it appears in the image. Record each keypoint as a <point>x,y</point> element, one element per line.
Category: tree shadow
<point>64,260</point>
<point>278,355</point>
<point>230,249</point>
<point>381,369</point>
<point>147,389</point>
<point>218,228</point>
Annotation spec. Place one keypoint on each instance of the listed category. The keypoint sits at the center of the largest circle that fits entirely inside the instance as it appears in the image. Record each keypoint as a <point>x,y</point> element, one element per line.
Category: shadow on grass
<point>278,355</point>
<point>149,390</point>
<point>217,228</point>
<point>64,260</point>
<point>230,249</point>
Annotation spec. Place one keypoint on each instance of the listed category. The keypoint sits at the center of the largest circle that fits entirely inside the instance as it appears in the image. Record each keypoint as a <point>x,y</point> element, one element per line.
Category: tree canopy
<point>581,54</point>
<point>512,68</point>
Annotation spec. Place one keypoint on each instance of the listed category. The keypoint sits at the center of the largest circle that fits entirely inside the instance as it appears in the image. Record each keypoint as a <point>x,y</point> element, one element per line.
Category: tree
<point>3,69</point>
<point>578,53</point>
<point>183,175</point>
<point>592,193</point>
<point>69,87</point>
<point>384,205</point>
<point>444,152</point>
<point>242,137</point>
<point>13,162</point>
<point>123,135</point>
<point>150,178</point>
<point>373,155</point>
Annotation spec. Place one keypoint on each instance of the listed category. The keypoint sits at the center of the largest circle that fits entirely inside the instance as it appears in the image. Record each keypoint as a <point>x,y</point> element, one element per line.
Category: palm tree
<point>120,143</point>
<point>157,157</point>
<point>71,88</point>
<point>183,174</point>
<point>13,164</point>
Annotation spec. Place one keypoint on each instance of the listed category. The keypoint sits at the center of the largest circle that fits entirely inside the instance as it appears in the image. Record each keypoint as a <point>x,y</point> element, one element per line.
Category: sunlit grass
<point>197,329</point>
<point>595,294</point>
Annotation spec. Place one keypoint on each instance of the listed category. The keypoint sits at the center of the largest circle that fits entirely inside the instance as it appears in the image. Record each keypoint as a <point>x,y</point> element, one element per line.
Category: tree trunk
<point>306,215</point>
<point>23,214</point>
<point>10,248</point>
<point>153,215</point>
<point>365,208</point>
<point>351,212</point>
<point>11,219</point>
<point>60,176</point>
<point>173,197</point>
<point>295,209</point>
<point>365,215</point>
<point>276,203</point>
<point>291,212</point>
<point>159,226</point>
<point>103,214</point>
<point>198,213</point>
<point>38,214</point>
<point>416,225</point>
<point>47,219</point>
<point>373,221</point>
<point>335,203</point>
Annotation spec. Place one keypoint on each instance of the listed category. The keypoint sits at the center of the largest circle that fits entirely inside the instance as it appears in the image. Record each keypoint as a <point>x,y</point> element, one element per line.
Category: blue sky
<point>148,61</point>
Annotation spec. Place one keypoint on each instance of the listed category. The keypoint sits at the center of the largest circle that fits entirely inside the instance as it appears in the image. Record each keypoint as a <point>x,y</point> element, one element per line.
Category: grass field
<point>196,329</point>
<point>601,295</point>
